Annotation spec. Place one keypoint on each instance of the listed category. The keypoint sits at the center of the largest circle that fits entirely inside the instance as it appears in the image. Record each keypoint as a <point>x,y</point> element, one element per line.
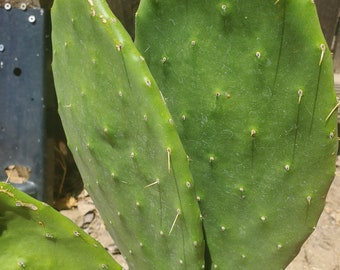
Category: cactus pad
<point>124,140</point>
<point>250,88</point>
<point>33,236</point>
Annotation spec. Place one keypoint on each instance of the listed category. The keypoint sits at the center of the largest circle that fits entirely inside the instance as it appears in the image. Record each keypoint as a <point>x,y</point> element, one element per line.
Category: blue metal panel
<point>26,96</point>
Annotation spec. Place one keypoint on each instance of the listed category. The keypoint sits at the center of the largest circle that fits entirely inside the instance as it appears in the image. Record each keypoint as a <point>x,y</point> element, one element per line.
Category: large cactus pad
<point>124,140</point>
<point>250,88</point>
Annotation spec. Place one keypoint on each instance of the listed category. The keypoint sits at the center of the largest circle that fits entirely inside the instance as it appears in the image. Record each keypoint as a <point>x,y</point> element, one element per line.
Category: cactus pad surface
<point>35,236</point>
<point>124,140</point>
<point>250,88</point>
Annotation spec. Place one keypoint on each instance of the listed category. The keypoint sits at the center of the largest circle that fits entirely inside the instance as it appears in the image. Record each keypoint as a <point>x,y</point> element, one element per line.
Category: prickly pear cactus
<point>124,140</point>
<point>35,236</point>
<point>250,88</point>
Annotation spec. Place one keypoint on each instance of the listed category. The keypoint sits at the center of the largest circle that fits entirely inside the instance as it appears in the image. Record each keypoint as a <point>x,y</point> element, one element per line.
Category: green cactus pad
<point>35,236</point>
<point>249,84</point>
<point>123,139</point>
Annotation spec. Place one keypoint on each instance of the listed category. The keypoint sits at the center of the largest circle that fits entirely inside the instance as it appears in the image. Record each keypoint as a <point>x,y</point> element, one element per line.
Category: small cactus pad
<point>35,236</point>
<point>124,140</point>
<point>250,87</point>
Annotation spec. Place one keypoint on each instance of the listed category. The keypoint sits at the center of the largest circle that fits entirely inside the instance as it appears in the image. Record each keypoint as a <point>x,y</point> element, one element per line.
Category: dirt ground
<point>320,252</point>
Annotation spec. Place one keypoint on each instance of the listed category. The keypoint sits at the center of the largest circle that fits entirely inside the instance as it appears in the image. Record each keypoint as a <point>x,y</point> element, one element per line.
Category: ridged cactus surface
<point>35,236</point>
<point>250,88</point>
<point>124,140</point>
